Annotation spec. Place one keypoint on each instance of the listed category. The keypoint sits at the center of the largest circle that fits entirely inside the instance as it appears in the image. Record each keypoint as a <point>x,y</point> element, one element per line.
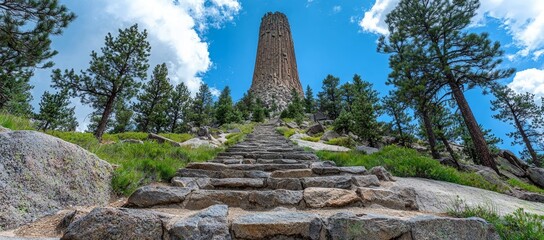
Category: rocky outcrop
<point>536,175</point>
<point>41,174</point>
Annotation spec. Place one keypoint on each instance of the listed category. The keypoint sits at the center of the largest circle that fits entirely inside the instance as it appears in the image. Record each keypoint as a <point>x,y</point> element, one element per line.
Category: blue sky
<point>215,41</point>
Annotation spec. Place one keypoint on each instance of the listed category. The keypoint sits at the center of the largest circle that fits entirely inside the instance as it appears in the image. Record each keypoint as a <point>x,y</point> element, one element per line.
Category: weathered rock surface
<point>432,227</point>
<point>41,174</point>
<point>329,197</point>
<point>536,175</point>
<point>349,226</point>
<point>293,173</point>
<point>395,199</point>
<point>277,225</point>
<point>382,174</point>
<point>330,134</point>
<point>161,139</point>
<point>148,196</point>
<point>366,149</point>
<point>113,223</point>
<point>366,181</point>
<point>210,223</point>
<point>315,129</point>
<point>318,146</point>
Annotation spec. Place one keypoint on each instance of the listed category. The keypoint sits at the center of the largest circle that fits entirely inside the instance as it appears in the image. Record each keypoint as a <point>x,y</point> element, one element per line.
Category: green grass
<point>286,132</point>
<point>404,162</point>
<point>235,138</point>
<point>519,225</point>
<point>15,123</point>
<point>311,139</point>
<point>525,186</point>
<point>178,137</point>
<point>342,141</point>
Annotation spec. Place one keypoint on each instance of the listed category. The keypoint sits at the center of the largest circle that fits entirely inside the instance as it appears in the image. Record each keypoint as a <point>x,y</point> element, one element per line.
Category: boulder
<point>328,182</point>
<point>367,149</point>
<point>350,226</point>
<point>161,139</point>
<point>201,199</point>
<point>298,136</point>
<point>536,175</point>
<point>365,181</point>
<point>3,129</point>
<point>381,173</point>
<point>274,198</point>
<point>432,227</point>
<point>210,223</point>
<point>203,132</point>
<point>277,225</point>
<point>329,197</point>
<point>284,183</point>
<point>450,162</point>
<point>328,135</point>
<point>507,167</point>
<point>511,157</point>
<point>192,182</point>
<point>136,141</point>
<point>148,196</point>
<point>41,174</point>
<point>113,223</point>
<point>319,146</point>
<point>315,129</point>
<point>403,199</point>
<point>339,170</point>
<point>291,125</point>
<point>235,130</point>
<point>492,177</point>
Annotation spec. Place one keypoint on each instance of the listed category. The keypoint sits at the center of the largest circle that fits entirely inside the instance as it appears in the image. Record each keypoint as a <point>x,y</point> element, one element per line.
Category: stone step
<point>260,167</point>
<point>187,172</point>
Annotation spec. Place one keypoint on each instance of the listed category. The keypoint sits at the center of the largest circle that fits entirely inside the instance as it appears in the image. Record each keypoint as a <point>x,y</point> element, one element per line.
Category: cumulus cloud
<point>175,29</point>
<point>524,21</point>
<point>530,80</point>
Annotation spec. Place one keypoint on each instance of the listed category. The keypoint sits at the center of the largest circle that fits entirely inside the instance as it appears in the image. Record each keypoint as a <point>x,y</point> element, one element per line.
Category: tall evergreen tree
<point>123,118</point>
<point>55,113</point>
<point>521,110</point>
<point>246,105</point>
<point>202,110</point>
<point>153,101</point>
<point>258,111</point>
<point>25,30</point>
<point>461,60</point>
<point>178,108</point>
<point>225,112</point>
<point>365,111</point>
<point>401,121</point>
<point>330,100</point>
<point>112,76</point>
<point>309,101</point>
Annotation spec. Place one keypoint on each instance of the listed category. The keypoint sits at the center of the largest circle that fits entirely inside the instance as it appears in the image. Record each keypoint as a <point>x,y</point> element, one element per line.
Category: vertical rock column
<point>275,73</point>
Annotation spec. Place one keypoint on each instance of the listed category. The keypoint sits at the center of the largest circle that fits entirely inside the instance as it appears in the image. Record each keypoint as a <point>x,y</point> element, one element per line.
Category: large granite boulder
<point>148,196</point>
<point>41,174</point>
<point>315,129</point>
<point>329,135</point>
<point>536,175</point>
<point>210,223</point>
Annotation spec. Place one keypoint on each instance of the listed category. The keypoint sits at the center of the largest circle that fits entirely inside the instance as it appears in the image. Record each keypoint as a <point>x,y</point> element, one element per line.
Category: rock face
<point>276,71</point>
<point>41,174</point>
<point>211,223</point>
<point>536,175</point>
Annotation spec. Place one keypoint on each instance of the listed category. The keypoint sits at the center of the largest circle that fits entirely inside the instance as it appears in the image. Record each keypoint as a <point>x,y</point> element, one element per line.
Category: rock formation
<point>276,71</point>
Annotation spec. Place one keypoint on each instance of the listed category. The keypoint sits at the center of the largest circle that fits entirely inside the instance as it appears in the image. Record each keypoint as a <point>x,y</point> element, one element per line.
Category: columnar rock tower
<point>276,71</point>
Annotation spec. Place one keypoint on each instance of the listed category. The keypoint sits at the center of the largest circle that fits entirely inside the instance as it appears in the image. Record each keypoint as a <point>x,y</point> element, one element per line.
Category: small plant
<point>342,141</point>
<point>525,186</point>
<point>312,139</point>
<point>286,132</point>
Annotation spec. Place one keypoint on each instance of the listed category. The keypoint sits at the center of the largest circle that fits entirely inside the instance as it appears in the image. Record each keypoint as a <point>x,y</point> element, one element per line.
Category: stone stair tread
<point>261,167</point>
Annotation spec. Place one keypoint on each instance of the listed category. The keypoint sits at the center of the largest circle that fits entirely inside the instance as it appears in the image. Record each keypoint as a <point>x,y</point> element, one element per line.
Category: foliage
<point>309,101</point>
<point>55,114</point>
<point>258,111</point>
<point>286,132</point>
<point>342,141</point>
<point>15,123</point>
<point>329,98</point>
<point>123,119</point>
<point>152,106</point>
<point>225,112</point>
<point>311,139</point>
<point>401,122</point>
<point>365,112</point>
<point>404,162</point>
<point>525,186</point>
<point>344,123</point>
<point>521,111</point>
<point>245,105</point>
<point>202,109</point>
<point>295,109</point>
<point>25,30</point>
<point>519,225</point>
<point>178,108</point>
<point>112,75</point>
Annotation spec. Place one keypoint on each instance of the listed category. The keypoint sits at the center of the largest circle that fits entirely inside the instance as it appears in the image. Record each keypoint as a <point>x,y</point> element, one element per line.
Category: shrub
<point>342,141</point>
<point>404,162</point>
<point>286,132</point>
<point>525,186</point>
<point>15,123</point>
<point>312,139</point>
<point>519,225</point>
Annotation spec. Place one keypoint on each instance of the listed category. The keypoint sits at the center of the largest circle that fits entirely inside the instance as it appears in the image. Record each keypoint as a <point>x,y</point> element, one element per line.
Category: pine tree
<point>521,110</point>
<point>329,99</point>
<point>401,121</point>
<point>202,109</point>
<point>460,59</point>
<point>344,123</point>
<point>246,105</point>
<point>365,111</point>
<point>258,111</point>
<point>55,113</point>
<point>123,118</point>
<point>178,108</point>
<point>112,76</point>
<point>295,109</point>
<point>309,102</point>
<point>153,101</point>
<point>25,30</point>
<point>225,110</point>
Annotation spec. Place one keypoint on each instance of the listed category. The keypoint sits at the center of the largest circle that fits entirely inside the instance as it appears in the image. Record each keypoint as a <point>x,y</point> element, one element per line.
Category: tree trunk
<point>399,126</point>
<point>474,130</point>
<point>431,138</point>
<point>526,140</point>
<point>105,117</point>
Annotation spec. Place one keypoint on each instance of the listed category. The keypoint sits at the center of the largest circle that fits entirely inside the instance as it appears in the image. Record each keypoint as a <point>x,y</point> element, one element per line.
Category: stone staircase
<point>268,188</point>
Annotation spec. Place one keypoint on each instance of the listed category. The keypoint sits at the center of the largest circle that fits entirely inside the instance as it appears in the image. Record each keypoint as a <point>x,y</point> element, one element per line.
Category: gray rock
<point>315,129</point>
<point>284,183</point>
<point>192,182</point>
<point>3,129</point>
<point>161,139</point>
<point>210,223</point>
<point>381,173</point>
<point>148,196</point>
<point>292,173</point>
<point>277,225</point>
<point>298,136</point>
<point>536,175</point>
<point>492,177</point>
<point>432,227</point>
<point>367,149</point>
<point>339,170</point>
<point>328,135</point>
<point>238,182</point>
<point>235,130</point>
<point>327,182</point>
<point>112,223</point>
<point>329,197</point>
<point>448,161</point>
<point>403,199</point>
<point>349,226</point>
<point>365,181</point>
<point>41,174</point>
<point>203,132</point>
<point>322,164</point>
<point>291,125</point>
<point>136,141</point>
<point>201,199</point>
<point>274,198</point>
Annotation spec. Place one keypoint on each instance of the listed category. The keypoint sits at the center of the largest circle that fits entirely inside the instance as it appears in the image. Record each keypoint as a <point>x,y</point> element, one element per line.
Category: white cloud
<point>524,21</point>
<point>175,30</point>
<point>530,80</point>
<point>337,9</point>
